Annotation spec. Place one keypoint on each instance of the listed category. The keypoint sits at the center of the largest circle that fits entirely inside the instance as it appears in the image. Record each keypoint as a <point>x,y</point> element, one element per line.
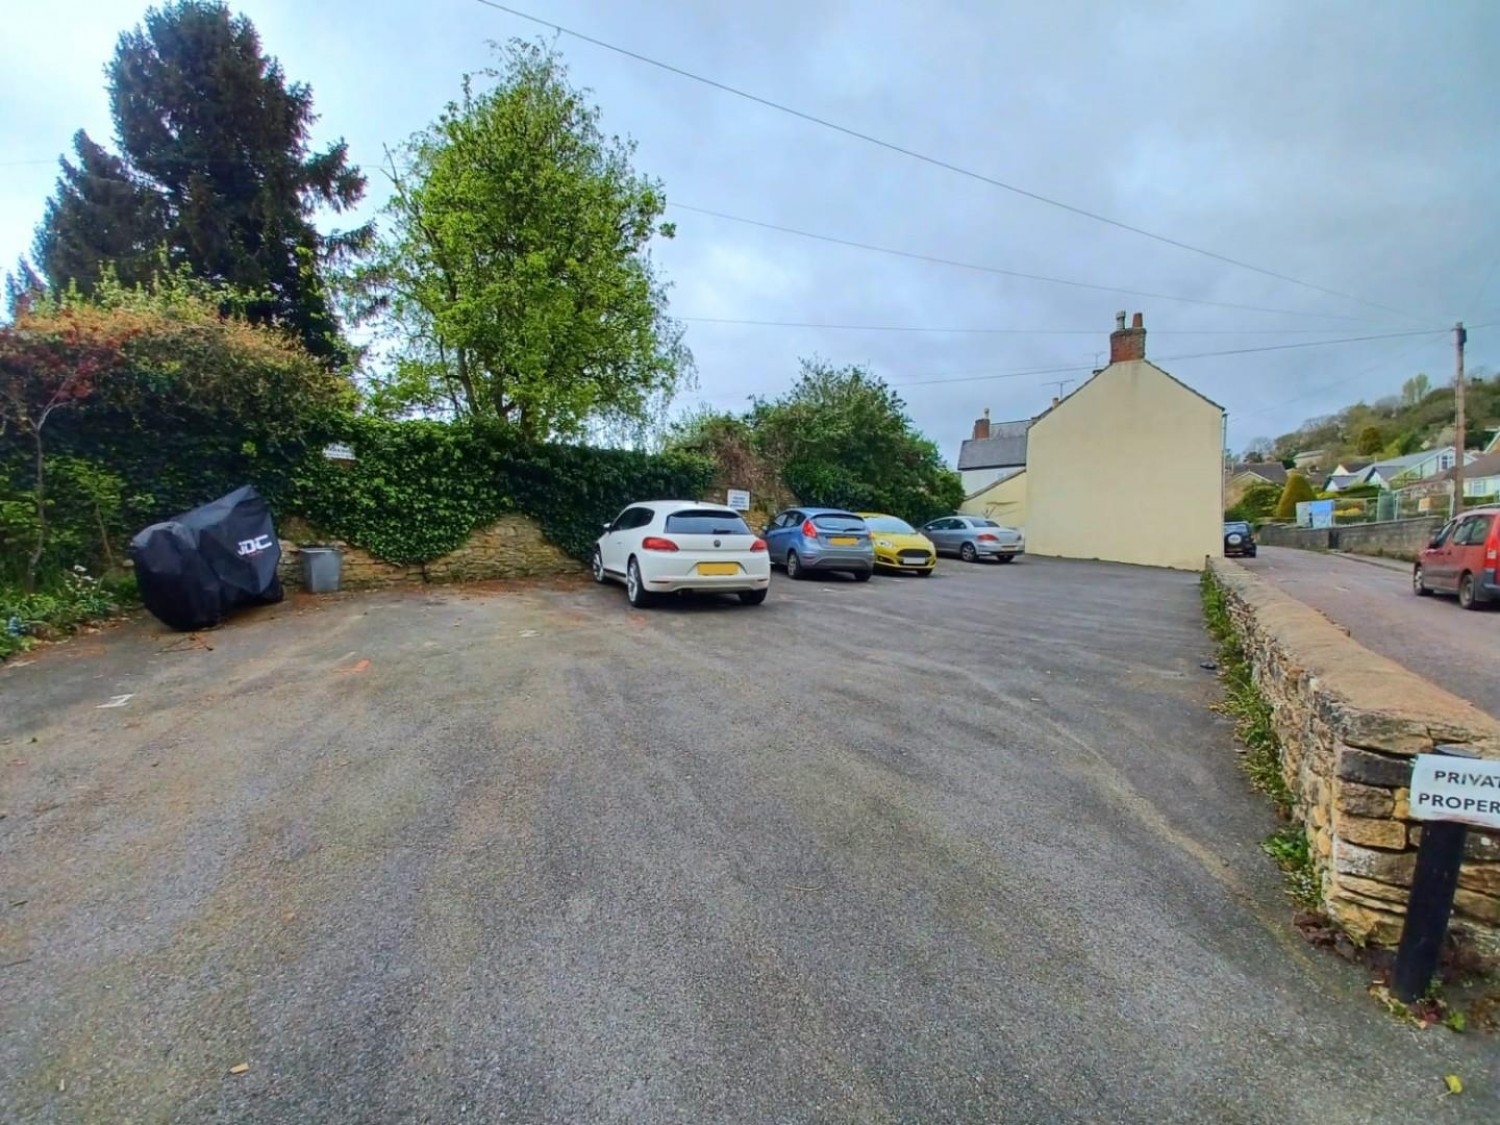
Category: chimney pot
<point>1120,319</point>
<point>1126,344</point>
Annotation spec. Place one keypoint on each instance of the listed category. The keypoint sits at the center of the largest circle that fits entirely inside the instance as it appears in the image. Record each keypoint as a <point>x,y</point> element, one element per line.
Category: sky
<point>1347,146</point>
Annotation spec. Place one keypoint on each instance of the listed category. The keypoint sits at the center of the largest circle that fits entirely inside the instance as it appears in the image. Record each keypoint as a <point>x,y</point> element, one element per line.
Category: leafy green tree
<point>1259,501</point>
<point>1415,389</point>
<point>215,173</point>
<point>1371,441</point>
<point>843,438</point>
<point>1298,488</point>
<point>513,276</point>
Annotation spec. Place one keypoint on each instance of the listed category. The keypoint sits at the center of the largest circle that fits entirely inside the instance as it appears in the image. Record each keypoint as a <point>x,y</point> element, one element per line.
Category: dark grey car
<point>972,538</point>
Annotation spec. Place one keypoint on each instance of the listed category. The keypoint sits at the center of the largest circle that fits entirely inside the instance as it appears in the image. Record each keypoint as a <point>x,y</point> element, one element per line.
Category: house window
<point>1445,462</point>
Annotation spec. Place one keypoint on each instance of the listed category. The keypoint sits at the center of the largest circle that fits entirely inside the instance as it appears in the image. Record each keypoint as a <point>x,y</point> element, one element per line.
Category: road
<point>966,848</point>
<point>1372,599</point>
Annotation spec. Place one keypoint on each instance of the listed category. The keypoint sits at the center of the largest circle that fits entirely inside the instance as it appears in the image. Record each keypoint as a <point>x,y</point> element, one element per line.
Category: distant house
<point>1481,475</point>
<point>1130,414</point>
<point>1003,501</point>
<point>1310,459</point>
<point>995,452</point>
<point>1247,474</point>
<point>1494,445</point>
<point>1427,463</point>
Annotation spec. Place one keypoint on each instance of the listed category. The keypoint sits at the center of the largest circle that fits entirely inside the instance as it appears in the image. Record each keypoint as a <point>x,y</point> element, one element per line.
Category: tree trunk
<point>41,516</point>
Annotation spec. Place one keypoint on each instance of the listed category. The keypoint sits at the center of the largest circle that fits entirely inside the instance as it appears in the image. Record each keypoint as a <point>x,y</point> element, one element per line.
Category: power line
<point>996,331</point>
<point>1005,272</point>
<point>1175,358</point>
<point>1383,362</point>
<point>936,162</point>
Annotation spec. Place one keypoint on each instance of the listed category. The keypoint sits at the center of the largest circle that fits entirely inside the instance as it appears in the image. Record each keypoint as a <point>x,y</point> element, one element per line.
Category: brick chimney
<point>1126,344</point>
<point>982,426</point>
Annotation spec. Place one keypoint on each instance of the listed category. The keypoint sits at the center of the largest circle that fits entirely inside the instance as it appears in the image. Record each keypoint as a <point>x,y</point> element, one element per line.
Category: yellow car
<point>898,545</point>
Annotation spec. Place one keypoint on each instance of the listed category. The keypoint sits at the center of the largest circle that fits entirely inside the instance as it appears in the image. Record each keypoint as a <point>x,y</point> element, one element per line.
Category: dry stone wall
<point>1350,722</point>
<point>511,547</point>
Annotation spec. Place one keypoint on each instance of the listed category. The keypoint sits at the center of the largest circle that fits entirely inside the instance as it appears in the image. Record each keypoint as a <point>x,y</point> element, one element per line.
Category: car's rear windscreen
<point>706,522</point>
<point>838,521</point>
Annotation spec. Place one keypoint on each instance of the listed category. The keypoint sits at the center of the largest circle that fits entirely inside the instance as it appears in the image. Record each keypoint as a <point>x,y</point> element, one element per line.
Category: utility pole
<point>1460,337</point>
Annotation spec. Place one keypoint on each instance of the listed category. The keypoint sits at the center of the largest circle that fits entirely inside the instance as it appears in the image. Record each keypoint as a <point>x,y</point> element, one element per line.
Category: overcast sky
<point>1350,145</point>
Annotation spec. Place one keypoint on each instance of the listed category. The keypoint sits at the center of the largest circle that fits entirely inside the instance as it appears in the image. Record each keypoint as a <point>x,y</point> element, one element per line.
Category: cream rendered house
<point>1003,501</point>
<point>1129,467</point>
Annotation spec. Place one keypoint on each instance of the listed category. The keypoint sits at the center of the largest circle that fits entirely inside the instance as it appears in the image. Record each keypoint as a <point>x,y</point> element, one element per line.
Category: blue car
<point>807,539</point>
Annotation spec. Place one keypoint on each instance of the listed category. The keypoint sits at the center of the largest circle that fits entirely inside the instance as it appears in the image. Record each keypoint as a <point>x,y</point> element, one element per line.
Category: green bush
<point>1297,489</point>
<point>77,600</point>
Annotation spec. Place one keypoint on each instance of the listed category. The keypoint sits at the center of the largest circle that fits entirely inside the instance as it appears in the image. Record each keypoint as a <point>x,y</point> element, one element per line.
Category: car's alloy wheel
<point>793,565</point>
<point>635,591</point>
<point>599,574</point>
<point>1466,596</point>
<point>1419,583</point>
<point>968,553</point>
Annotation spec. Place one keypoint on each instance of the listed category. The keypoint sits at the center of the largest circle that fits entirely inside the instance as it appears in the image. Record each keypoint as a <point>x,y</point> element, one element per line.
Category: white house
<point>996,452</point>
<point>1422,465</point>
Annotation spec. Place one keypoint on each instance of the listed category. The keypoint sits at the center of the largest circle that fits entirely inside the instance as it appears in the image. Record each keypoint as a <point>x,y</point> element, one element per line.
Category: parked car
<point>1239,539</point>
<point>972,538</point>
<point>898,545</point>
<point>1463,559</point>
<point>669,546</point>
<point>807,539</point>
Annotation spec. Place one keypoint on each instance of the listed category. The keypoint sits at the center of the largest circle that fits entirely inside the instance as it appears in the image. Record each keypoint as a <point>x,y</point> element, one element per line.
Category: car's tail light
<point>809,530</point>
<point>657,543</point>
<point>758,545</point>
<point>986,538</point>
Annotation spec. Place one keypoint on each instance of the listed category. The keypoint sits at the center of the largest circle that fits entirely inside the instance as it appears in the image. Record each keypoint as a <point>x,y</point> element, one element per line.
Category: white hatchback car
<point>663,546</point>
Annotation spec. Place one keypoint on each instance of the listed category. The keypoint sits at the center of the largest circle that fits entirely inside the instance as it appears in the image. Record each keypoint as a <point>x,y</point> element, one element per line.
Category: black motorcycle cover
<point>194,569</point>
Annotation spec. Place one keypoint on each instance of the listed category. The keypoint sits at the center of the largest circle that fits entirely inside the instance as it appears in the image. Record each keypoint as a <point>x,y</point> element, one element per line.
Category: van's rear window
<point>838,521</point>
<point>706,522</point>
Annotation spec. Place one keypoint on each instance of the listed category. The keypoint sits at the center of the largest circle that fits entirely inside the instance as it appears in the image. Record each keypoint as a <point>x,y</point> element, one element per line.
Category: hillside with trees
<point>1419,417</point>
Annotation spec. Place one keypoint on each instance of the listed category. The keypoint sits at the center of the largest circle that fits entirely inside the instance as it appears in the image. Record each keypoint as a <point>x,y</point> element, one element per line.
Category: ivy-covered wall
<point>417,489</point>
<point>182,404</point>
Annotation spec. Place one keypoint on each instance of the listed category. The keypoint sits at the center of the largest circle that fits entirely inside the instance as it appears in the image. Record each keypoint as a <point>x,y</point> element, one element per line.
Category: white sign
<point>738,499</point>
<point>338,451</point>
<point>1462,789</point>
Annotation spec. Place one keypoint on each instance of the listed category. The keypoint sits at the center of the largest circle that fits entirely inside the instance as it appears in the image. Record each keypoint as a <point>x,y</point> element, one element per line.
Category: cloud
<point>1337,143</point>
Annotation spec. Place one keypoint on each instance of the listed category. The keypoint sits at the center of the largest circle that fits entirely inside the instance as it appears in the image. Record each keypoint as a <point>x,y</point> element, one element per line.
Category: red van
<point>1463,558</point>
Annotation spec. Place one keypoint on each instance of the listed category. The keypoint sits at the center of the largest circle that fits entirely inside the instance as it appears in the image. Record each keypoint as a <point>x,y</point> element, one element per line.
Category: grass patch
<point>1244,703</point>
<point>1288,846</point>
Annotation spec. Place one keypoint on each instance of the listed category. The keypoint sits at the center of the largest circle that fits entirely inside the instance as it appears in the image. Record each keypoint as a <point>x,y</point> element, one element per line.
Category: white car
<point>663,546</point>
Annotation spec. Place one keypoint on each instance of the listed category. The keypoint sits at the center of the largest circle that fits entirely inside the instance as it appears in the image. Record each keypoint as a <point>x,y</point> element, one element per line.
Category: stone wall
<point>1397,539</point>
<point>1349,723</point>
<point>512,547</point>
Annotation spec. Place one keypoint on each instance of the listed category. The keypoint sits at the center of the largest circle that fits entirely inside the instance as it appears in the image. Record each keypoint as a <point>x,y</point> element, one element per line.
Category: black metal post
<point>1430,904</point>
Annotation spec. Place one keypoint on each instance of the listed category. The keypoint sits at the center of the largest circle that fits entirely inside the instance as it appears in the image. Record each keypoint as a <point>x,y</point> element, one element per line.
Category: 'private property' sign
<point>1450,788</point>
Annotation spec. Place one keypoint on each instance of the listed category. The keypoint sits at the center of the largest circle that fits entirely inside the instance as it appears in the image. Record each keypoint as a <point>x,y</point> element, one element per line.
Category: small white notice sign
<point>338,451</point>
<point>738,499</point>
<point>1462,789</point>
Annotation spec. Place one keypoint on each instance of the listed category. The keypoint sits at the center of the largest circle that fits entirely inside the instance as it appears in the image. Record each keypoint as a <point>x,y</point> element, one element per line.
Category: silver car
<point>972,538</point>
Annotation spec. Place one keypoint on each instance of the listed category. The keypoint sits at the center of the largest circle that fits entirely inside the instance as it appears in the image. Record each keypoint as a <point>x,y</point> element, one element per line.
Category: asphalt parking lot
<point>966,848</point>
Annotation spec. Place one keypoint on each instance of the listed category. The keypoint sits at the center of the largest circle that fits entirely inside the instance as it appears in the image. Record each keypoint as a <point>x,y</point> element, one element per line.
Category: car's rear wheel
<point>793,565</point>
<point>599,575</point>
<point>635,589</point>
<point>968,553</point>
<point>1419,582</point>
<point>753,597</point>
<point>863,575</point>
<point>1467,596</point>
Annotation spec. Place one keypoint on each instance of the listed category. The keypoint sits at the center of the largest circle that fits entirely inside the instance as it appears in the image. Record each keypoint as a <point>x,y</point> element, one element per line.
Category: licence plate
<point>718,568</point>
<point>843,540</point>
